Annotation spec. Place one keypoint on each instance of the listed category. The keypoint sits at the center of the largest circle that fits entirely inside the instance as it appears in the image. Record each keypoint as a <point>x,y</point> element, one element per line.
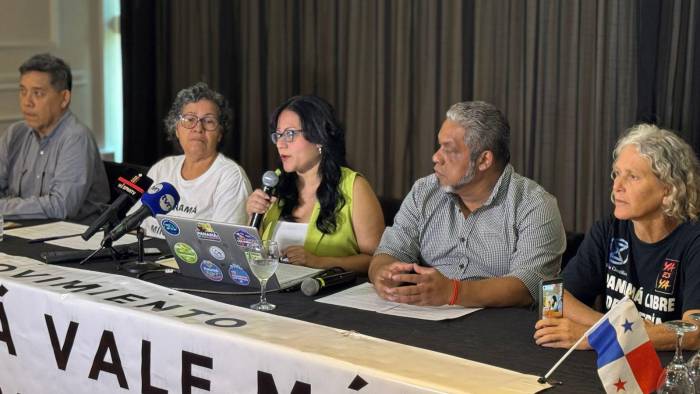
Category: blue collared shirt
<point>516,232</point>
<point>59,176</point>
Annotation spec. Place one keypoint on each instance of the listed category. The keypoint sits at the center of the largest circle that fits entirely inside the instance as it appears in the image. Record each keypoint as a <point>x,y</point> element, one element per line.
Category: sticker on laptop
<point>251,255</point>
<point>170,227</point>
<point>211,271</point>
<point>206,232</point>
<point>185,252</point>
<point>217,253</point>
<point>238,275</point>
<point>244,240</point>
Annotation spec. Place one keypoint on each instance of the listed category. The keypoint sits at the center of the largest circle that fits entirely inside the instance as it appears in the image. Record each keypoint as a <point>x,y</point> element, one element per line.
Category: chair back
<point>573,241</point>
<point>390,206</point>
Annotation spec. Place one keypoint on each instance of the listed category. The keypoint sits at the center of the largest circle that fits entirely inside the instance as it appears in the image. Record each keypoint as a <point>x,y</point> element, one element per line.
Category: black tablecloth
<point>498,336</point>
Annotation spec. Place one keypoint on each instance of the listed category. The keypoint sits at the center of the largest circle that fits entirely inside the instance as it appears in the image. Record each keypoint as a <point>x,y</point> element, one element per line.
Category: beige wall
<point>70,29</point>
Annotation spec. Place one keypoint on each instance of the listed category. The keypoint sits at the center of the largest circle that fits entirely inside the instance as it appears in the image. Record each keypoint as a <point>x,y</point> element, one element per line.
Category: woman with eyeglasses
<point>211,186</point>
<point>341,213</point>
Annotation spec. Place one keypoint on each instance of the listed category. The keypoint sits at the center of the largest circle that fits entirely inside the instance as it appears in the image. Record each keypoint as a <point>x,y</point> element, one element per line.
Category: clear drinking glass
<point>694,362</point>
<point>263,268</point>
<point>676,378</point>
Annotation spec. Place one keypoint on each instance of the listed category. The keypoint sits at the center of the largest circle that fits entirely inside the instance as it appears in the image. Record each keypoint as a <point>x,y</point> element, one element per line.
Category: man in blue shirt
<point>49,163</point>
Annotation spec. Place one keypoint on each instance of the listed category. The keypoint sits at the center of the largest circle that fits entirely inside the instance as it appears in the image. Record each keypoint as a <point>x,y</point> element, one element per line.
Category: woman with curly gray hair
<point>211,186</point>
<point>648,251</point>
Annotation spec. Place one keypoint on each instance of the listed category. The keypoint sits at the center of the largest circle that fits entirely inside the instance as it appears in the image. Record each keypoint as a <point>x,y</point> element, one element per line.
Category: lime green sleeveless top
<point>342,242</point>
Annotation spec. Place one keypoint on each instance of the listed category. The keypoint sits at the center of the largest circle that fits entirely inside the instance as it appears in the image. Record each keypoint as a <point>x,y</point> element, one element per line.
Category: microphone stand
<point>116,255</point>
<point>140,265</point>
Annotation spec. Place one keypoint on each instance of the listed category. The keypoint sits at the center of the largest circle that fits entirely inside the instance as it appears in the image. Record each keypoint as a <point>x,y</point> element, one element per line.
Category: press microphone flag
<point>160,198</point>
<point>130,191</point>
<point>269,181</point>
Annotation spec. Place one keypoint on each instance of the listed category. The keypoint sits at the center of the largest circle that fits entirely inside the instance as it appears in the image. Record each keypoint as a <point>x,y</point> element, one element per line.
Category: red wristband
<point>455,291</point>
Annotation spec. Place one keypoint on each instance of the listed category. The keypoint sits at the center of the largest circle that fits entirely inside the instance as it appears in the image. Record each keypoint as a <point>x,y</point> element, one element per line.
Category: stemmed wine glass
<point>694,362</point>
<point>676,378</point>
<point>264,266</point>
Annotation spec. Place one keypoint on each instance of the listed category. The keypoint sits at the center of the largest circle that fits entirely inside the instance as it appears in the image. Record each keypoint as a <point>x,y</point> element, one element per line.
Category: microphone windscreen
<point>270,179</point>
<point>161,198</point>
<point>310,286</point>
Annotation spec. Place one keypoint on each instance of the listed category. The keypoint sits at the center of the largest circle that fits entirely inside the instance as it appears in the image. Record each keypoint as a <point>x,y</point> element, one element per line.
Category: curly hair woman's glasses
<point>189,121</point>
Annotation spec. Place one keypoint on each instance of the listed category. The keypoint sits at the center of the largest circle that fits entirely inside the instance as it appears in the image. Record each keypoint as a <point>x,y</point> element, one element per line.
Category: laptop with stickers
<point>219,252</point>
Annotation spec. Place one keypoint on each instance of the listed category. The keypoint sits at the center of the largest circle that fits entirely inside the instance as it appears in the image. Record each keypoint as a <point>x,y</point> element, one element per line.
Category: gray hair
<point>486,129</point>
<point>61,77</point>
<point>673,162</point>
<point>197,92</point>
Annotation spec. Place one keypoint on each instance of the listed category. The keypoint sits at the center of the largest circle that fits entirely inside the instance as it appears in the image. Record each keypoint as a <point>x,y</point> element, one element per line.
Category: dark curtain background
<point>571,77</point>
<point>669,63</point>
<point>390,68</point>
<point>147,75</point>
<point>564,73</point>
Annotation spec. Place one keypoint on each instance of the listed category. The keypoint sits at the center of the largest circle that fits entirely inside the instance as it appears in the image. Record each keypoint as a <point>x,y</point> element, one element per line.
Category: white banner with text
<point>65,330</point>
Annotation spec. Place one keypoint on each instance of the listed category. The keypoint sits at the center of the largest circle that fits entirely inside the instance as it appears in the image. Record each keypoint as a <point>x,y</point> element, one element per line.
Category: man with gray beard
<point>474,233</point>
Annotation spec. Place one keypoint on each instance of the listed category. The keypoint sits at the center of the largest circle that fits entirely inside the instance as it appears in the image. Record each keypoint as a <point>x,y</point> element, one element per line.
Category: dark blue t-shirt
<point>663,278</point>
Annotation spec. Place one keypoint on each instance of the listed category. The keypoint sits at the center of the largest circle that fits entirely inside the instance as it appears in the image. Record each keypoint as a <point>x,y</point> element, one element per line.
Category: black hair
<point>321,127</point>
<point>61,77</point>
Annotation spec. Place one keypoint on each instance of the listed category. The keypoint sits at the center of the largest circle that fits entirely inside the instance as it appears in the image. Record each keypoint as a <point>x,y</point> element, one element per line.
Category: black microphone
<point>269,181</point>
<point>130,191</point>
<point>311,286</point>
<point>161,198</point>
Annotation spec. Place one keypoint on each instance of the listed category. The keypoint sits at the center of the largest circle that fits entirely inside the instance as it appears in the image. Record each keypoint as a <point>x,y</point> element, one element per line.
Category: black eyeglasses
<point>189,121</point>
<point>287,135</point>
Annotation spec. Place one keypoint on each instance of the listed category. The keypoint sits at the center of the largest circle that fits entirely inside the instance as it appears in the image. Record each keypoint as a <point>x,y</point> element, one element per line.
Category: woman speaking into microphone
<point>343,218</point>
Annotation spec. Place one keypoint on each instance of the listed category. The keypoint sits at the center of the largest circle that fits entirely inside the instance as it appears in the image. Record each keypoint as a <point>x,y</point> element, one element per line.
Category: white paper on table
<point>289,233</point>
<point>93,243</point>
<point>364,297</point>
<point>8,225</point>
<point>56,229</point>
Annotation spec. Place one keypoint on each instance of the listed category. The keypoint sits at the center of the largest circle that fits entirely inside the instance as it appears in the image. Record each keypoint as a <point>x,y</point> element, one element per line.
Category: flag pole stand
<point>545,378</point>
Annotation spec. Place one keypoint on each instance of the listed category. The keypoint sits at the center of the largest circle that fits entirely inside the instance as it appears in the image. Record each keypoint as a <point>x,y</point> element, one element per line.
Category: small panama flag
<point>627,361</point>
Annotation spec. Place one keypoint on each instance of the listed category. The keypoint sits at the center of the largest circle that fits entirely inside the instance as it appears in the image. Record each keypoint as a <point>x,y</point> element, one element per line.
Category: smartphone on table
<point>551,298</point>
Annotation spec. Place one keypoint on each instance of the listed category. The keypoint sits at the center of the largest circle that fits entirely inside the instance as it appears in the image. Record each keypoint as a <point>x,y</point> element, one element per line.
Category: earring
<point>666,201</point>
<point>320,149</point>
